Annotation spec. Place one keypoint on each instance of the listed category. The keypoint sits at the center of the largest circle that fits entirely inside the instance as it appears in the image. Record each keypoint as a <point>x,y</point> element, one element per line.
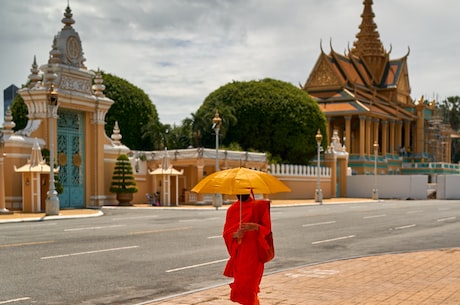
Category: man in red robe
<point>243,230</point>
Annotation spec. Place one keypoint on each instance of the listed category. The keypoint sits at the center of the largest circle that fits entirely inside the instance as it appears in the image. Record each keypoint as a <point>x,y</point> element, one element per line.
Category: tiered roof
<point>364,81</point>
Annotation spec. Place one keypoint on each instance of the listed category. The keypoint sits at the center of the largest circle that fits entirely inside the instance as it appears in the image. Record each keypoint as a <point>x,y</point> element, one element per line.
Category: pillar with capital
<point>3,209</point>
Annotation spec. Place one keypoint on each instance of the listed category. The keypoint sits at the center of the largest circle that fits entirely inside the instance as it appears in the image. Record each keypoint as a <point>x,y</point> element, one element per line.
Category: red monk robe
<point>244,265</point>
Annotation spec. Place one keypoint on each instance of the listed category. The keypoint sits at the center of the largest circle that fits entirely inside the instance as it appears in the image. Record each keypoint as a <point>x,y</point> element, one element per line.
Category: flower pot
<point>124,198</point>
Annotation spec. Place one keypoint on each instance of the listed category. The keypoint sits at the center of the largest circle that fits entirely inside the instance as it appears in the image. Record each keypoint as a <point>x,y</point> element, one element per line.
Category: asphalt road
<point>129,256</point>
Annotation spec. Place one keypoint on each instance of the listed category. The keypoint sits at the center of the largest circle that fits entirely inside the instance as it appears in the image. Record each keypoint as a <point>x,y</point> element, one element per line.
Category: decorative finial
<point>116,136</point>
<point>34,77</point>
<point>8,125</point>
<point>55,54</point>
<point>68,20</point>
<point>49,75</point>
<point>98,86</point>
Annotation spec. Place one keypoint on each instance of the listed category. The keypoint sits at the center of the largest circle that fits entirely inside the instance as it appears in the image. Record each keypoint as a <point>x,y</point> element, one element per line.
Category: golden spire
<point>368,39</point>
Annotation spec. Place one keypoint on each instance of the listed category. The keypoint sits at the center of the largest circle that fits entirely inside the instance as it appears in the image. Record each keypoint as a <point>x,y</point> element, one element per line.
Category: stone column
<point>369,144</point>
<point>96,158</point>
<point>407,145</point>
<point>392,137</point>
<point>384,141</point>
<point>376,132</point>
<point>348,133</point>
<point>362,136</point>
<point>3,209</point>
<point>398,134</point>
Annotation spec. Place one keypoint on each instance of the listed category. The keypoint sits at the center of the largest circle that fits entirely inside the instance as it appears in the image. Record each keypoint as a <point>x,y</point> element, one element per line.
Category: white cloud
<point>179,51</point>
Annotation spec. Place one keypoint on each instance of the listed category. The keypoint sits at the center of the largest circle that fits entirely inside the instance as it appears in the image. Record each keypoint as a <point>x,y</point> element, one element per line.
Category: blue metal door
<point>70,158</point>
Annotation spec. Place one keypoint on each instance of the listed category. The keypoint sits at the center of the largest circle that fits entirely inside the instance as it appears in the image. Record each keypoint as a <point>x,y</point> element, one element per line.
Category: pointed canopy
<point>166,168</point>
<point>36,164</point>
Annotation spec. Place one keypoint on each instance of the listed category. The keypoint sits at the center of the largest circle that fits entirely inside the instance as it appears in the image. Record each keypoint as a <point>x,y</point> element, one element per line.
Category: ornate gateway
<point>70,148</point>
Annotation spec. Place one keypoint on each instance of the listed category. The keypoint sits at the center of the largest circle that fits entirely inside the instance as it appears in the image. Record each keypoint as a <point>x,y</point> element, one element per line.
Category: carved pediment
<point>323,74</point>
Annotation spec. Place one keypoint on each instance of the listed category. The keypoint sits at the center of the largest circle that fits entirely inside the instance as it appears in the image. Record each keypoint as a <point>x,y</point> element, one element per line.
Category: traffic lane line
<point>446,219</point>
<point>197,265</point>
<point>413,225</point>
<point>15,300</point>
<point>93,228</point>
<point>374,216</point>
<point>332,239</point>
<point>319,223</point>
<point>88,252</point>
<point>32,243</point>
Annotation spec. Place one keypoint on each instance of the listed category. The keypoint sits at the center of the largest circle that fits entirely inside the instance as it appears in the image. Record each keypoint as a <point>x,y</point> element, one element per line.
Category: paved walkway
<point>419,278</point>
<point>428,278</point>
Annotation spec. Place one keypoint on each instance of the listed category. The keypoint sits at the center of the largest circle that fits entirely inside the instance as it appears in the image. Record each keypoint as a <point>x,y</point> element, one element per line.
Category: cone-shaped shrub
<point>123,178</point>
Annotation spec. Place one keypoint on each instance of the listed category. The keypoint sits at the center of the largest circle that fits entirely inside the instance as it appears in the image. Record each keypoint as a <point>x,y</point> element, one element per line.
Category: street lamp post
<point>375,191</point>
<point>3,209</point>
<point>318,192</point>
<point>52,201</point>
<point>216,123</point>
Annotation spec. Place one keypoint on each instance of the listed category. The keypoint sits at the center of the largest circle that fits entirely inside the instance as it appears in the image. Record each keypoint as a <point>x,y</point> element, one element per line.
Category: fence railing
<point>298,170</point>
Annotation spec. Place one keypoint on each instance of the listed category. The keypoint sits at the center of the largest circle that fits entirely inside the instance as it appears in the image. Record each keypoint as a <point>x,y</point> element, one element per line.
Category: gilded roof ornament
<point>368,39</point>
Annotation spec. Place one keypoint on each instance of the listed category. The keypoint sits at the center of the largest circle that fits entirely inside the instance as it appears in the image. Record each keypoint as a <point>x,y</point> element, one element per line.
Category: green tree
<point>19,111</point>
<point>450,112</point>
<point>136,115</point>
<point>267,115</point>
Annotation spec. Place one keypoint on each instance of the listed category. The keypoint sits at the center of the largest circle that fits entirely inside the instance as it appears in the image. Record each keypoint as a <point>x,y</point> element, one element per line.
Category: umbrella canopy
<point>240,180</point>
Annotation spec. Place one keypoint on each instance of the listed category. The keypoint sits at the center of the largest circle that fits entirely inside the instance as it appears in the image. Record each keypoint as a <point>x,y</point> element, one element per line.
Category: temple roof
<point>365,81</point>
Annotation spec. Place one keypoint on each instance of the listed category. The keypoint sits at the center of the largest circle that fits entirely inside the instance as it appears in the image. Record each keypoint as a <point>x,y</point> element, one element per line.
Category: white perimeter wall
<point>389,186</point>
<point>448,187</point>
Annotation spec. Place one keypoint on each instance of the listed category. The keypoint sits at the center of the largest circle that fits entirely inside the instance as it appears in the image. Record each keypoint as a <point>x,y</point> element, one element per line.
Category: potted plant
<point>123,183</point>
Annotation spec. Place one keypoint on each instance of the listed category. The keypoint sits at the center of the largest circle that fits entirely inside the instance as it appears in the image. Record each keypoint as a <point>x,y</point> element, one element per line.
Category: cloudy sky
<point>179,51</point>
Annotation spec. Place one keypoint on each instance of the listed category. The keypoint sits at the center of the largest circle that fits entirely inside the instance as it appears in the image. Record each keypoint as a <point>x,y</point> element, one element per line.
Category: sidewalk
<point>17,216</point>
<point>428,278</point>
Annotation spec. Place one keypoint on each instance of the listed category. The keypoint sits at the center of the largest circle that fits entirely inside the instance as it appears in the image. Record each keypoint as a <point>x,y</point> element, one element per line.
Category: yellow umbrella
<point>240,180</point>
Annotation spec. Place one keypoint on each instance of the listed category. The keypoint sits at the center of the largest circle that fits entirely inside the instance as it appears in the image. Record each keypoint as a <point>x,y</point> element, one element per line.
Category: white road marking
<point>374,216</point>
<point>447,219</point>
<point>319,223</point>
<point>215,236</point>
<point>197,265</point>
<point>15,300</point>
<point>94,228</point>
<point>405,227</point>
<point>332,239</point>
<point>88,252</point>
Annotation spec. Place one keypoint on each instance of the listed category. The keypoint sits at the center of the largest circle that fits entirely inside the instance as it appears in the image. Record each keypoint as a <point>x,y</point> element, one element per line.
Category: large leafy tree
<point>268,115</point>
<point>136,115</point>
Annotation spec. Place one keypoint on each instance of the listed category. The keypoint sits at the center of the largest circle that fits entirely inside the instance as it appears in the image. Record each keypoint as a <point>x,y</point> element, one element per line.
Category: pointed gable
<point>325,74</point>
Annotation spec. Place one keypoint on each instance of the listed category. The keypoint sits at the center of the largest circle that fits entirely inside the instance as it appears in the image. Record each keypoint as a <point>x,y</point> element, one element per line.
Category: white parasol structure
<point>165,170</point>
<point>33,185</point>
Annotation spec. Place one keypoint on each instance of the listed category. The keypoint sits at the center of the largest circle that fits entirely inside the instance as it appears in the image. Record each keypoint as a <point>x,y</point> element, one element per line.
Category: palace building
<point>366,96</point>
